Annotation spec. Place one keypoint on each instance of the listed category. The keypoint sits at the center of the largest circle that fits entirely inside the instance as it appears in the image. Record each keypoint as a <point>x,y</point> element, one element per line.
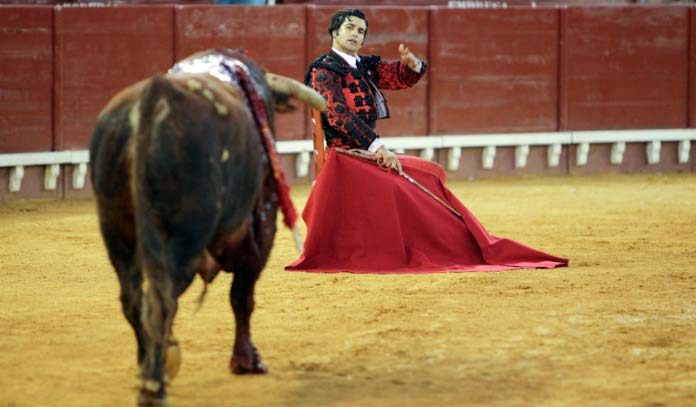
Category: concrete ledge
<point>427,144</point>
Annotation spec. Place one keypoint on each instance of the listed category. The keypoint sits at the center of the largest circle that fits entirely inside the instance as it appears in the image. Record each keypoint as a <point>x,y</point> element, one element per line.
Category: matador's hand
<point>387,159</point>
<point>408,58</point>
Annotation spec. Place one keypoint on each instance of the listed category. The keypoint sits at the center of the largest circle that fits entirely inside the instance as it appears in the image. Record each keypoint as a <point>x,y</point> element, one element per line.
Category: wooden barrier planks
<point>26,79</point>
<point>490,71</point>
<point>100,50</point>
<point>624,68</point>
<point>493,70</point>
<point>273,36</point>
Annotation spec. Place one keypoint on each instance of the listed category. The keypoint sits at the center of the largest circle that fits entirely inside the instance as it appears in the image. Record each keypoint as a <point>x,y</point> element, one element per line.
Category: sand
<point>616,328</point>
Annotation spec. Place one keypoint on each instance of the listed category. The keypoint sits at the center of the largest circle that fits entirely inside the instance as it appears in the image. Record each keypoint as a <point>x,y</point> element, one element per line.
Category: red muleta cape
<point>362,219</point>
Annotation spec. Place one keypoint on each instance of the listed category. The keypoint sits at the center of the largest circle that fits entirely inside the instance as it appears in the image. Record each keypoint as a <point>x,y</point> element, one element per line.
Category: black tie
<point>359,67</point>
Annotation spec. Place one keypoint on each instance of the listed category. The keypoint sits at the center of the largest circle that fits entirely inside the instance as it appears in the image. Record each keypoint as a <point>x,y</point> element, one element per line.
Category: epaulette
<point>332,63</point>
<point>326,61</point>
<point>370,62</point>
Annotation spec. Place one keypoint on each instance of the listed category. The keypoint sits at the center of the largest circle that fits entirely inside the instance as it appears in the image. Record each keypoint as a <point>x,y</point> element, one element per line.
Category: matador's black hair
<point>340,16</point>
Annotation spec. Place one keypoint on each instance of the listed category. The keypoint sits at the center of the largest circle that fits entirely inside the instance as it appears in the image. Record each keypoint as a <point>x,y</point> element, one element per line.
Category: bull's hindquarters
<point>184,186</point>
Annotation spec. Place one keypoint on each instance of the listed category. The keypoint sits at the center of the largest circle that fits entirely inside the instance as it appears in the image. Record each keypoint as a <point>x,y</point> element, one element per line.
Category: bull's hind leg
<point>165,278</point>
<point>121,249</point>
<point>130,280</point>
<point>247,262</point>
<point>158,309</point>
<point>245,358</point>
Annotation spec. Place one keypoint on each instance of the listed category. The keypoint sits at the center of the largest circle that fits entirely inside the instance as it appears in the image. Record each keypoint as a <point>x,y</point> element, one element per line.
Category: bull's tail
<point>154,132</point>
<point>155,257</point>
<point>152,108</point>
<point>146,119</point>
<point>201,297</point>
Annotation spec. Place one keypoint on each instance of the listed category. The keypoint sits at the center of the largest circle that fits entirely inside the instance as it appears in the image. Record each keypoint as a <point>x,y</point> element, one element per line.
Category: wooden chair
<point>319,149</point>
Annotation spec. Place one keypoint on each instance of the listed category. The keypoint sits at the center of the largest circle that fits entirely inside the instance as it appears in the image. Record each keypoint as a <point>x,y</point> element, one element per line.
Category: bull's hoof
<point>172,361</point>
<point>238,366</point>
<point>148,398</point>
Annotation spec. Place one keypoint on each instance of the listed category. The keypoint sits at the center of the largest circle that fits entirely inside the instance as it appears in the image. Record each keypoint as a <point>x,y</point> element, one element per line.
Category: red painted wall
<point>692,82</point>
<point>387,28</point>
<point>490,70</point>
<point>100,50</point>
<point>493,70</point>
<point>364,4</point>
<point>634,160</point>
<point>692,69</point>
<point>274,36</point>
<point>624,68</point>
<point>26,79</point>
<point>32,185</point>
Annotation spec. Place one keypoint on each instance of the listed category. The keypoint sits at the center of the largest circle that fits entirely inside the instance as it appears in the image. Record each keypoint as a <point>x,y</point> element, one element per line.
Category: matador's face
<point>350,36</point>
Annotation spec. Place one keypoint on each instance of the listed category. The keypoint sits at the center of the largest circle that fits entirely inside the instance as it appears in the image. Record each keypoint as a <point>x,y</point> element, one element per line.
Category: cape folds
<point>362,219</point>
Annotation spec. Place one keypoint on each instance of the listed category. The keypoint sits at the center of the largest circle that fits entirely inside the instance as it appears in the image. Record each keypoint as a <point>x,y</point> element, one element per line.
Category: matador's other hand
<point>408,58</point>
<point>387,159</point>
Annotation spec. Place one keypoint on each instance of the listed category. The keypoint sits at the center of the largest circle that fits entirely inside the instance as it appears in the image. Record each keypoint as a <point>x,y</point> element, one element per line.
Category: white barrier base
<point>554,141</point>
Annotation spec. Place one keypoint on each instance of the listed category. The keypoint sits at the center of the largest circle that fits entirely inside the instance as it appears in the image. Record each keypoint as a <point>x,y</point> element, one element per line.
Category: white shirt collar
<point>352,60</point>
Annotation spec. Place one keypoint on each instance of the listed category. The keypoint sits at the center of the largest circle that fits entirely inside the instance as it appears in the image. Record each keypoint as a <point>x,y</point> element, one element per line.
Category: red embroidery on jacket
<point>351,113</point>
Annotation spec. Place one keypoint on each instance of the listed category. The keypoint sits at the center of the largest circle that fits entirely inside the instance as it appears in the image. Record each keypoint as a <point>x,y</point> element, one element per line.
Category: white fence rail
<point>426,144</point>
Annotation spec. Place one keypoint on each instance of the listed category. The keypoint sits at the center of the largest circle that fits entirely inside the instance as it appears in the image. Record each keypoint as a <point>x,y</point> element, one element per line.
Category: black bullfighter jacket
<point>354,102</point>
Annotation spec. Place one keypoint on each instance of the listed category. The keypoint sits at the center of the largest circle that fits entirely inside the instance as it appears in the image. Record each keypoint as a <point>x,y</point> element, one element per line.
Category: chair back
<point>319,149</point>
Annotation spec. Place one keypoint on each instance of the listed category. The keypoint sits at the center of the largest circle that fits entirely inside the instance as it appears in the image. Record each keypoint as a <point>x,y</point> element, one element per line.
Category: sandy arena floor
<point>617,328</point>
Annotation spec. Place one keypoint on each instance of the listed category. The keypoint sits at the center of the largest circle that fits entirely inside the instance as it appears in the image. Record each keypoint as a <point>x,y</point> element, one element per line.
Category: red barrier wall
<point>32,185</point>
<point>624,68</point>
<point>387,27</point>
<point>692,82</point>
<point>99,51</point>
<point>692,68</point>
<point>471,163</point>
<point>490,70</point>
<point>274,36</point>
<point>26,79</point>
<point>493,70</point>
<point>339,4</point>
<point>634,159</point>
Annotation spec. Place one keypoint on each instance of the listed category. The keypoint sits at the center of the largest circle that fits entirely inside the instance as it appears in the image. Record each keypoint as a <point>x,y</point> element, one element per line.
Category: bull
<point>184,187</point>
